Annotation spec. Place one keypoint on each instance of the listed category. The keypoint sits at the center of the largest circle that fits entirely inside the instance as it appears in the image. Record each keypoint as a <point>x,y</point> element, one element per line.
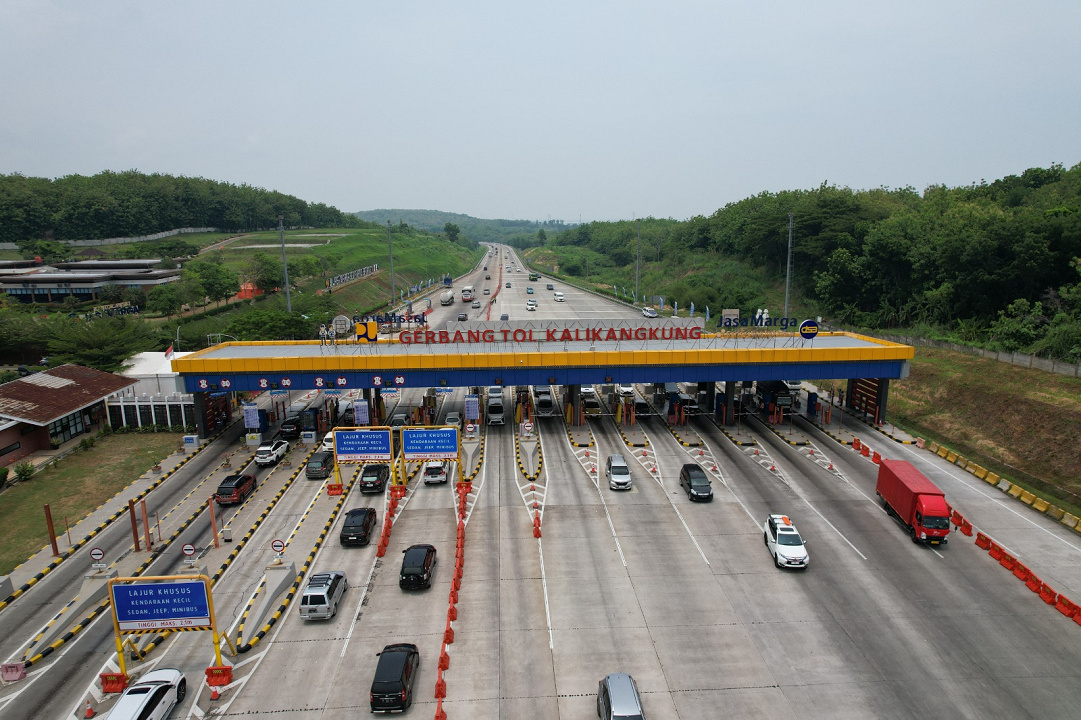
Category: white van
<point>558,296</point>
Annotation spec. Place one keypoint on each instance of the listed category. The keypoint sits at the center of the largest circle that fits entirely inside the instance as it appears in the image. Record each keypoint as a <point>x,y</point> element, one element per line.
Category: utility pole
<point>638,261</point>
<point>390,251</point>
<point>285,264</point>
<point>788,270</point>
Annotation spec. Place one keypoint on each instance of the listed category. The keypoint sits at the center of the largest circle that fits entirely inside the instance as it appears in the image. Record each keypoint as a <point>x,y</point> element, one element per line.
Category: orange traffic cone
<point>214,694</point>
<point>89,710</point>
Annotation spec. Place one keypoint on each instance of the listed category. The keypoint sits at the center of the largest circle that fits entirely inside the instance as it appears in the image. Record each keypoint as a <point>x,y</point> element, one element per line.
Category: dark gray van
<point>618,699</point>
<point>320,466</point>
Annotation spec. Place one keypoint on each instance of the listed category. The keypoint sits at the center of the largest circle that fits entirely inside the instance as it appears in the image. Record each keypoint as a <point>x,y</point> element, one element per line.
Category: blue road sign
<point>362,445</point>
<point>161,605</point>
<point>430,443</point>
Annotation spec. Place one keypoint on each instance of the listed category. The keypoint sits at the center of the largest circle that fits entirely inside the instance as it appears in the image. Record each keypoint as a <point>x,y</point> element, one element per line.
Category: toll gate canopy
<point>543,352</point>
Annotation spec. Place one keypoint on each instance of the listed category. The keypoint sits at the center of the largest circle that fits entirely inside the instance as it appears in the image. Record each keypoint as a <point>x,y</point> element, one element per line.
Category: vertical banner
<point>251,415</point>
<point>360,412</point>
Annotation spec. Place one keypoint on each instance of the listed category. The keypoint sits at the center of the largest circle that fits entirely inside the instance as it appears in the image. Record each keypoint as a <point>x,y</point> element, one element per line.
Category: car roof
<point>324,578</point>
<point>621,690</point>
<point>354,512</point>
<point>693,469</point>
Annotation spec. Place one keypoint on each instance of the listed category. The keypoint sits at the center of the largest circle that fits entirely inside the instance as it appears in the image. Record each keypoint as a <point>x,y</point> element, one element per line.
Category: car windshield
<point>792,539</point>
<point>932,522</point>
<point>699,480</point>
<point>437,470</point>
<point>357,521</point>
<point>314,600</point>
<point>621,470</point>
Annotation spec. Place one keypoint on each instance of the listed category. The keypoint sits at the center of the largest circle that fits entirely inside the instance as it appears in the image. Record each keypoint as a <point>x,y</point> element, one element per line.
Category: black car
<point>395,673</point>
<point>693,479</point>
<point>373,478</point>
<point>549,286</point>
<point>357,527</point>
<point>290,429</point>
<point>418,566</point>
<point>462,317</point>
<point>508,284</point>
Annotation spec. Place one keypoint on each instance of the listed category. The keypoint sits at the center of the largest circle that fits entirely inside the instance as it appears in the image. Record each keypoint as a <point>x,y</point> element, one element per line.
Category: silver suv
<point>322,595</point>
<point>618,699</point>
<point>617,472</point>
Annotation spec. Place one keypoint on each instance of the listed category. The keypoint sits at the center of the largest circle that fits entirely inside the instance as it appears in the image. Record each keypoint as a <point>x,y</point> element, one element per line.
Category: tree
<point>452,231</point>
<point>111,293</point>
<point>164,299</point>
<point>217,281</point>
<point>265,272</point>
<point>136,297</point>
<point>271,325</point>
<point>102,343</point>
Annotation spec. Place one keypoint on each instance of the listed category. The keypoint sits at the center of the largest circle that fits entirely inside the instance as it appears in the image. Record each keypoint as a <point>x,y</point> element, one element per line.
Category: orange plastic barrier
<point>334,489</point>
<point>1033,583</point>
<point>956,518</point>
<point>855,443</point>
<point>1048,595</point>
<point>218,676</point>
<point>113,682</point>
<point>1066,607</point>
<point>1021,572</point>
<point>996,551</point>
<point>864,450</point>
<point>876,458</point>
<point>966,528</point>
<point>1008,561</point>
<point>982,541</point>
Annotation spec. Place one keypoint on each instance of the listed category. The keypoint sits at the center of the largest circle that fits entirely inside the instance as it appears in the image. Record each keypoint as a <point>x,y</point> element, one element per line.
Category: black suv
<point>358,526</point>
<point>693,479</point>
<point>418,566</point>
<point>392,687</point>
<point>373,478</point>
<point>290,429</point>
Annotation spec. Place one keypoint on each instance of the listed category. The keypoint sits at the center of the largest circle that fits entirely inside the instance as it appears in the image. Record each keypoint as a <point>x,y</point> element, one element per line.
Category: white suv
<point>271,453</point>
<point>435,471</point>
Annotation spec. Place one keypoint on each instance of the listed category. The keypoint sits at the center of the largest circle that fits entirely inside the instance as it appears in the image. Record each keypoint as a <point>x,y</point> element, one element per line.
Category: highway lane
<point>682,595</point>
<point>28,613</point>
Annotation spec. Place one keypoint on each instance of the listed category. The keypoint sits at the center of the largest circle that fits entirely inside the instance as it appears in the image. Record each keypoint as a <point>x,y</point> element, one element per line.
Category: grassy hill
<point>515,232</point>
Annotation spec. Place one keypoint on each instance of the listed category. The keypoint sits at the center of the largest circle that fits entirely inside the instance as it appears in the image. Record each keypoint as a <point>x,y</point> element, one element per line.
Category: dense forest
<point>521,233</point>
<point>989,263</point>
<point>129,204</point>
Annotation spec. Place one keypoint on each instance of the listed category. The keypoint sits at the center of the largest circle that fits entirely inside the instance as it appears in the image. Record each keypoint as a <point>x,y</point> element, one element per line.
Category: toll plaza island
<point>571,354</point>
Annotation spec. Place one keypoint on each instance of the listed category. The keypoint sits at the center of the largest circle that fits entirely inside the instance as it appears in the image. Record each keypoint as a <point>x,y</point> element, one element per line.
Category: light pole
<point>285,264</point>
<point>638,261</point>
<point>788,270</point>
<point>390,251</point>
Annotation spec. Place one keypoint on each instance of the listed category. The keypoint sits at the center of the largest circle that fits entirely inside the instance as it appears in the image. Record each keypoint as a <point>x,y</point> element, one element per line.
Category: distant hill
<point>515,232</point>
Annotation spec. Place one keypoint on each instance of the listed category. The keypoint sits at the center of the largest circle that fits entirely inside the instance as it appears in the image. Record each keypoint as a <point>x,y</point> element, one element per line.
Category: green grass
<point>76,485</point>
<point>1020,423</point>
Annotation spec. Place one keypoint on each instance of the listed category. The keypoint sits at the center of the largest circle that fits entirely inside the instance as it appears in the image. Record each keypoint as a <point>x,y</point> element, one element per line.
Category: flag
<point>169,353</point>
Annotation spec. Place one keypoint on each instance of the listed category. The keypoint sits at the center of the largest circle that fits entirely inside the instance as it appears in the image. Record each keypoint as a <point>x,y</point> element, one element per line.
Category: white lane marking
<point>980,491</point>
<point>544,588</point>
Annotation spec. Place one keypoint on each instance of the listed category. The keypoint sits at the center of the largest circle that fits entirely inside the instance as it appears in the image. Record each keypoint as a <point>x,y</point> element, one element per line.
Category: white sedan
<point>784,542</point>
<point>153,697</point>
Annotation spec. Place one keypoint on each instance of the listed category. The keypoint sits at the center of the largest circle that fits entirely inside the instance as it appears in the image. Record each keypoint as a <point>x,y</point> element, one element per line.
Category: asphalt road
<point>682,595</point>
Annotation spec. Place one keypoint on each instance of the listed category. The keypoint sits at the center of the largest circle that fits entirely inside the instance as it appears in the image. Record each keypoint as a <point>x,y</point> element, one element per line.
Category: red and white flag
<point>169,353</point>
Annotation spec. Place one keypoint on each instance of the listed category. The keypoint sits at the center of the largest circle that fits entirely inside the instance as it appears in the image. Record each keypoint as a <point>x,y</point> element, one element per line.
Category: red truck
<point>909,496</point>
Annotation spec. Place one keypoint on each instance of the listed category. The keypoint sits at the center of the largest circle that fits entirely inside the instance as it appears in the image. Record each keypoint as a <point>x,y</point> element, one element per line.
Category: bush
<point>3,476</point>
<point>24,470</point>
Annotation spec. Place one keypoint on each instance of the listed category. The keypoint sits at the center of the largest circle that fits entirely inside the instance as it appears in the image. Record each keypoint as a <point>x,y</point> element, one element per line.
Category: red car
<point>234,489</point>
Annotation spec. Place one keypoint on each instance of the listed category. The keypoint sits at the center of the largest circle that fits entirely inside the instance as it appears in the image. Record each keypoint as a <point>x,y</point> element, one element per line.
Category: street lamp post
<point>285,264</point>
<point>788,271</point>
<point>390,251</point>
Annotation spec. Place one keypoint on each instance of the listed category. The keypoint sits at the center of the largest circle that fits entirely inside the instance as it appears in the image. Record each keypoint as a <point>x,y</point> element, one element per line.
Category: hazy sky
<point>562,110</point>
